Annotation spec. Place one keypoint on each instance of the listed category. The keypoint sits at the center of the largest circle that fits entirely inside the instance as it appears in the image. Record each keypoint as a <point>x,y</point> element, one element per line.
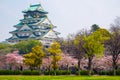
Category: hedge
<point>10,72</point>
<point>103,72</point>
<point>58,72</point>
<point>85,72</point>
<point>29,72</point>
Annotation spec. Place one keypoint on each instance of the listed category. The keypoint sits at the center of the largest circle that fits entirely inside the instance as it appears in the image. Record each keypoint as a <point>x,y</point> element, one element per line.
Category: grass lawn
<point>59,77</point>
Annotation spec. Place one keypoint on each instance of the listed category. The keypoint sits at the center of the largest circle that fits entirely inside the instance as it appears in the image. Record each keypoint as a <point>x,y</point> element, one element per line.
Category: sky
<point>69,16</point>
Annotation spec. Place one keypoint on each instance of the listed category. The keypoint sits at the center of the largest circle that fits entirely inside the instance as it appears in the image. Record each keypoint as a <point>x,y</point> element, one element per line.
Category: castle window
<point>38,33</point>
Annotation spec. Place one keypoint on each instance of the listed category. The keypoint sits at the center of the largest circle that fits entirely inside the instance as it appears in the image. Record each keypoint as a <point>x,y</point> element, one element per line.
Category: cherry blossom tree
<point>14,60</point>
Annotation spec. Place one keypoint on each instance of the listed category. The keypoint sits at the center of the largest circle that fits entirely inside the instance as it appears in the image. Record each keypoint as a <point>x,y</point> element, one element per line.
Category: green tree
<point>94,27</point>
<point>78,50</point>
<point>34,58</point>
<point>55,52</point>
<point>26,46</point>
<point>94,45</point>
<point>5,48</point>
<point>113,44</point>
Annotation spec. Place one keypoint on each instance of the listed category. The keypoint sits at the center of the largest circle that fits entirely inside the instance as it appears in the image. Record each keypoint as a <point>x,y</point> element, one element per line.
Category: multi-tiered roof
<point>35,25</point>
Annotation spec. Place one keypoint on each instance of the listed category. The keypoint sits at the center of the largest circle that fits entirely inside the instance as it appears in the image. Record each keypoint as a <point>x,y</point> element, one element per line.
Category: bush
<point>49,72</point>
<point>26,72</point>
<point>64,72</point>
<point>103,72</point>
<point>58,72</point>
<point>10,72</point>
<point>6,72</point>
<point>17,72</point>
<point>92,72</point>
<point>118,72</point>
<point>46,73</point>
<point>85,72</point>
<point>35,72</point>
<point>29,72</point>
<point>110,72</point>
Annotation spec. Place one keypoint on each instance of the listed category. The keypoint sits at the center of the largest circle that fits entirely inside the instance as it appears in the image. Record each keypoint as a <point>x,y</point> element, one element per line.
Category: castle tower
<point>35,25</point>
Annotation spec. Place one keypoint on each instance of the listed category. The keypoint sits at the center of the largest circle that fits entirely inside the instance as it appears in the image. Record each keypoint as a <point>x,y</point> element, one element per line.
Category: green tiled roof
<point>12,39</point>
<point>19,25</point>
<point>29,24</point>
<point>36,7</point>
<point>56,32</point>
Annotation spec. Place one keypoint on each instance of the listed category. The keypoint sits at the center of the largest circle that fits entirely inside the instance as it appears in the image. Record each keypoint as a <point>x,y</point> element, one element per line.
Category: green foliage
<point>58,72</point>
<point>84,72</point>
<point>77,41</point>
<point>54,49</point>
<point>10,72</point>
<point>26,46</point>
<point>17,72</point>
<point>29,72</point>
<point>5,48</point>
<point>55,52</point>
<point>64,72</point>
<point>33,43</point>
<point>94,27</point>
<point>49,72</point>
<point>94,43</point>
<point>34,58</point>
<point>35,72</point>
<point>118,72</point>
<point>22,47</point>
<point>103,72</point>
<point>6,72</point>
<point>110,72</point>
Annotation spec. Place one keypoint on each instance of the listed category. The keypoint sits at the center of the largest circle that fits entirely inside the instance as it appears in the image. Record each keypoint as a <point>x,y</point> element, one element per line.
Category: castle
<point>34,25</point>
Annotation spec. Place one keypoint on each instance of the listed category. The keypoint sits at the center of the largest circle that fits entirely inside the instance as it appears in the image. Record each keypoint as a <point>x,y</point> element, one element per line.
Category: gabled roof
<point>19,25</point>
<point>50,34</point>
<point>36,7</point>
<point>40,20</point>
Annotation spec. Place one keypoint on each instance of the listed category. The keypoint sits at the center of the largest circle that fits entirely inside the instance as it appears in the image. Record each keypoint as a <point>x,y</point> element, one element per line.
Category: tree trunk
<point>40,72</point>
<point>114,67</point>
<point>21,67</point>
<point>67,69</point>
<point>55,72</point>
<point>31,68</point>
<point>89,65</point>
<point>78,66</point>
<point>49,69</point>
<point>54,67</point>
<point>10,68</point>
